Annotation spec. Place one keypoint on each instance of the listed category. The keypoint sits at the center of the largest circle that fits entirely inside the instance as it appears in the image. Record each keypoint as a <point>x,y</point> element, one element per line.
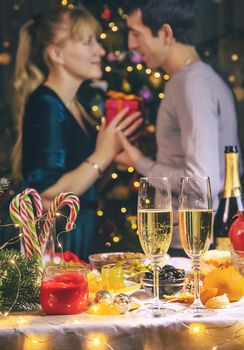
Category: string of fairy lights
<point>101,341</point>
<point>18,238</point>
<point>6,313</point>
<point>95,340</point>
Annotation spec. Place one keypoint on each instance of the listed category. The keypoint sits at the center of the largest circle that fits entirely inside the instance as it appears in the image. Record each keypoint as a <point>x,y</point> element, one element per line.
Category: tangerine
<point>227,280</point>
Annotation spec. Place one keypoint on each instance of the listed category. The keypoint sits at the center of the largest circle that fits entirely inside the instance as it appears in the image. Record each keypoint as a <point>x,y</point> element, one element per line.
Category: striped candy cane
<point>29,219</point>
<point>14,211</point>
<point>64,198</point>
<point>36,198</point>
<point>29,230</point>
<point>22,213</point>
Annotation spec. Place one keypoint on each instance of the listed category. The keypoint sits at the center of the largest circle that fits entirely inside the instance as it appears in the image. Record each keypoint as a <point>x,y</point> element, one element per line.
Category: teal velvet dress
<point>54,144</point>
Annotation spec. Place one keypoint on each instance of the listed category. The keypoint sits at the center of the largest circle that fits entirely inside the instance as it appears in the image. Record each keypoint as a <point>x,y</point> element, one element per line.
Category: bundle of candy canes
<point>26,214</point>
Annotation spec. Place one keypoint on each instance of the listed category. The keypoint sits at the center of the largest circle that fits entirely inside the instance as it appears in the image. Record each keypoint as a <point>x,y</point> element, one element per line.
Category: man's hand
<point>130,154</point>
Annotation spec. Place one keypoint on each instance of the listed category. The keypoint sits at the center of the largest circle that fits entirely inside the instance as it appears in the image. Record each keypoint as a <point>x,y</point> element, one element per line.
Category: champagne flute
<point>155,222</point>
<point>196,229</point>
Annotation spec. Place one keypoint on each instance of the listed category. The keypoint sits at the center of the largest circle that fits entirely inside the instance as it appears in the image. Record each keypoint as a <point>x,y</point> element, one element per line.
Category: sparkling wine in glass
<point>196,229</point>
<point>155,222</point>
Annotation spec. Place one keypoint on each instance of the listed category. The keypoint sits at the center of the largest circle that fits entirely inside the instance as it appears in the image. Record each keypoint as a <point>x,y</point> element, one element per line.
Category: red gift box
<point>118,101</point>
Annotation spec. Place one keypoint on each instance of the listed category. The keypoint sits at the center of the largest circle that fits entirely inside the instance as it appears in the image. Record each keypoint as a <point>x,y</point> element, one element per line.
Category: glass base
<point>155,310</point>
<point>199,311</point>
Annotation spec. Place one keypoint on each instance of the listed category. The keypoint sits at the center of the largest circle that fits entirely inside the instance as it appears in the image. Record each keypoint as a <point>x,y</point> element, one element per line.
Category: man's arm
<point>199,138</point>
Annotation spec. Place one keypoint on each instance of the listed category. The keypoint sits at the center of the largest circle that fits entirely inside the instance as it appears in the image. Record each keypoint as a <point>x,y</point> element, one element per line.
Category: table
<point>33,331</point>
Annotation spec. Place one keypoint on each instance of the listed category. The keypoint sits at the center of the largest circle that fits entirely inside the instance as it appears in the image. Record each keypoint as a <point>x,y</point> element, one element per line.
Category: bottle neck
<point>232,187</point>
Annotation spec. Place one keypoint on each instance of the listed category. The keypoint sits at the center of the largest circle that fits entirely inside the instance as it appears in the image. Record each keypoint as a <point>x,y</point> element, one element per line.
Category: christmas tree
<point>125,72</point>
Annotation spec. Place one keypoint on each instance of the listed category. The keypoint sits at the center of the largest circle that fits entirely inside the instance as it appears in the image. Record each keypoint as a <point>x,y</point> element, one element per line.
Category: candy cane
<point>14,210</point>
<point>37,200</point>
<point>22,213</point>
<point>16,216</point>
<point>29,229</point>
<point>64,198</point>
<point>30,224</point>
<point>28,212</point>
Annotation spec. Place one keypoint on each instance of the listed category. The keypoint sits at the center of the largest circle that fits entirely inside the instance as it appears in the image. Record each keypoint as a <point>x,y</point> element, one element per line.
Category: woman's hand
<point>108,143</point>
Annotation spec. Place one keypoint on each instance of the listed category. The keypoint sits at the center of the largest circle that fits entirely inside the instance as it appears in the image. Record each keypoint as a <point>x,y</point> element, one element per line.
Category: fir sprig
<point>29,290</point>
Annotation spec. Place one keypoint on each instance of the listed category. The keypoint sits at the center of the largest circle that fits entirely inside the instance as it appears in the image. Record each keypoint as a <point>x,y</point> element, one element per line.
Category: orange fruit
<point>227,280</point>
<point>208,294</point>
<point>218,302</point>
<point>181,298</point>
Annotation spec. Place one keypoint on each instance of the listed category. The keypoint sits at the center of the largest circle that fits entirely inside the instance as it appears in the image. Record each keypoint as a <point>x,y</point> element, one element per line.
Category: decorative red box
<point>118,101</point>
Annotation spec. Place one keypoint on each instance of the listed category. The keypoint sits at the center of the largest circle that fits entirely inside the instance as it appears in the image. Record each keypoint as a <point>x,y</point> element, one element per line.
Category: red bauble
<point>236,232</point>
<point>106,14</point>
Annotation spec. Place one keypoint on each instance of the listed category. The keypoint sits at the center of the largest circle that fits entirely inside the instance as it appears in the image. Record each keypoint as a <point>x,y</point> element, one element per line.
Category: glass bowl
<point>99,260</point>
<point>165,287</point>
<point>237,258</point>
<point>64,290</point>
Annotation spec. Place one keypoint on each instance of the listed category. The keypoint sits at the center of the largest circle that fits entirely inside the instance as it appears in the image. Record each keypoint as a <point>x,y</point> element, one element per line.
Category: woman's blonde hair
<point>33,64</point>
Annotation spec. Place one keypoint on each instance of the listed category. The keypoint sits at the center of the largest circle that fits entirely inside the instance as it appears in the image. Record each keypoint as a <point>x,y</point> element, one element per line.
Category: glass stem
<point>196,269</point>
<point>52,240</point>
<point>156,269</point>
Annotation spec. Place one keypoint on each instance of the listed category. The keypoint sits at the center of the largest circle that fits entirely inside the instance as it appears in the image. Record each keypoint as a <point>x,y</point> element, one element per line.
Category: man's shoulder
<point>200,75</point>
<point>204,72</point>
<point>197,70</point>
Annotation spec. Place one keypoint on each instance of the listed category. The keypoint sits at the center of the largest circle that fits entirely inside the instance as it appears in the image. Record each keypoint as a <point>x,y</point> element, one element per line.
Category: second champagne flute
<point>155,223</point>
<point>196,229</point>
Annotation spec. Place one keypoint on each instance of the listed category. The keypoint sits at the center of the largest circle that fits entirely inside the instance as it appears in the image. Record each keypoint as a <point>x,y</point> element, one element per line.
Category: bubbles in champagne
<point>155,231</point>
<point>196,229</point>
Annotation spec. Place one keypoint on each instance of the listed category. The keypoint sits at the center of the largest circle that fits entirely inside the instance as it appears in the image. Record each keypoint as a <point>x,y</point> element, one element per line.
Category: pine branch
<point>29,290</point>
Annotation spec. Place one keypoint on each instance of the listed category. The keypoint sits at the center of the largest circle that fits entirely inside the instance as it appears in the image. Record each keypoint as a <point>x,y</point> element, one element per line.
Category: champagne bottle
<point>231,201</point>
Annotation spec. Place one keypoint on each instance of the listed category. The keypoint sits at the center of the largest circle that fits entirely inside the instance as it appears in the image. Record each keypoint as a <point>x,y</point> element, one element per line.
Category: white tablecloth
<point>225,330</point>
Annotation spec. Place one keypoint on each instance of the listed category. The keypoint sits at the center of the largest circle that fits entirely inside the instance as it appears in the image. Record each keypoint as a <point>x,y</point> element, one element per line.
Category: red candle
<point>64,294</point>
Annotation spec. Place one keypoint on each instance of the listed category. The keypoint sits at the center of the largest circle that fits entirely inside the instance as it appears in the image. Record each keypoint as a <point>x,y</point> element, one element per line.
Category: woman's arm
<point>107,146</point>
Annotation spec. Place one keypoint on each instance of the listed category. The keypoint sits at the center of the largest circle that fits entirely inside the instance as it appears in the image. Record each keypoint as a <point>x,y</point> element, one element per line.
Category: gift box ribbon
<point>117,95</point>
<point>121,97</point>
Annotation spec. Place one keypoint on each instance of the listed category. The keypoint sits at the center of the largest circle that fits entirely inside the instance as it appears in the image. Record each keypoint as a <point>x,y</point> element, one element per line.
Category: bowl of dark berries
<point>172,281</point>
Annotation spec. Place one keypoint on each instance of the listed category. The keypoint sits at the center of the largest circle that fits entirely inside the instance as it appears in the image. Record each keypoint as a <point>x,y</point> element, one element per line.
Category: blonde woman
<point>56,149</point>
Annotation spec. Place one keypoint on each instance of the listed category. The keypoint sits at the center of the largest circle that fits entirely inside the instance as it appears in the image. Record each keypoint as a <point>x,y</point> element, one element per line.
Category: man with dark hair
<point>197,117</point>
